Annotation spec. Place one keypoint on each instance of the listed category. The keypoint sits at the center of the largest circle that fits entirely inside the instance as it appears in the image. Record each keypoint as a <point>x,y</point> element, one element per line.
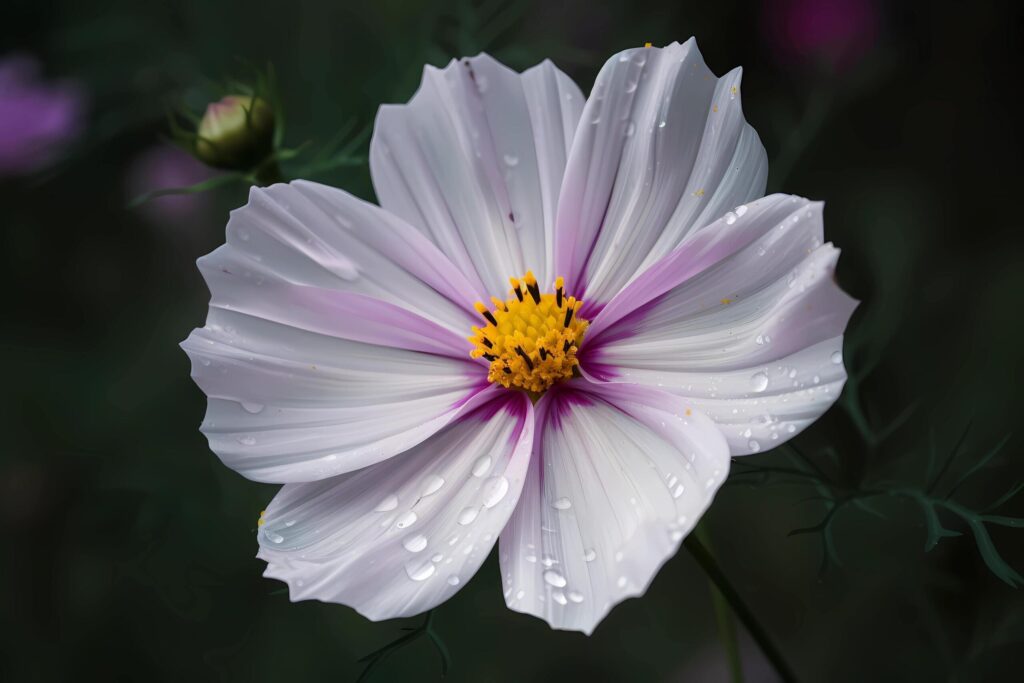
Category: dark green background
<point>128,549</point>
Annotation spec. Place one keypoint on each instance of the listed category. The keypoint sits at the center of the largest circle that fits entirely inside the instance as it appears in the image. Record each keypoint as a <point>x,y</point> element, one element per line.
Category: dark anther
<point>568,317</point>
<point>534,290</point>
<point>543,353</point>
<point>529,363</point>
<point>507,370</point>
<point>487,343</point>
<point>558,297</point>
<point>491,319</point>
<point>490,356</point>
<point>519,293</point>
<point>566,345</point>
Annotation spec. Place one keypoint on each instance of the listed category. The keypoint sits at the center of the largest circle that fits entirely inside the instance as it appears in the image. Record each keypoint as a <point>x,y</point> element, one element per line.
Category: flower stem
<point>714,573</point>
<point>723,616</point>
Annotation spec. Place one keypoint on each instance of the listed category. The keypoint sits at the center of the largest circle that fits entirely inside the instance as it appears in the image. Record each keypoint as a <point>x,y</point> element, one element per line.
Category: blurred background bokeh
<point>128,549</point>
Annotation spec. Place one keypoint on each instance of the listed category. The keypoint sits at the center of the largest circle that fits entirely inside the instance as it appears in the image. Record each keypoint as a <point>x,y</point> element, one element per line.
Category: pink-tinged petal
<point>291,405</point>
<point>661,151</point>
<point>475,161</point>
<point>307,234</point>
<point>744,320</point>
<point>620,474</point>
<point>401,537</point>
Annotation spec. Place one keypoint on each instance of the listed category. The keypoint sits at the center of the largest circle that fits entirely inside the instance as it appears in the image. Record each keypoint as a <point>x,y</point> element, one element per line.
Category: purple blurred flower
<point>162,167</point>
<point>834,32</point>
<point>37,118</point>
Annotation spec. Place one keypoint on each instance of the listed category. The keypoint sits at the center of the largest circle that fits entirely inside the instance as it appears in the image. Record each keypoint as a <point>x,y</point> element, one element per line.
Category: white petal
<point>620,475</point>
<point>751,334</point>
<point>661,151</point>
<point>400,537</point>
<point>475,160</point>
<point>289,405</point>
<point>306,234</point>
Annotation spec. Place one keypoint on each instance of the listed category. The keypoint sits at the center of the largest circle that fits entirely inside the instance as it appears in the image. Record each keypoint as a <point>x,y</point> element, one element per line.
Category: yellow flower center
<point>530,339</point>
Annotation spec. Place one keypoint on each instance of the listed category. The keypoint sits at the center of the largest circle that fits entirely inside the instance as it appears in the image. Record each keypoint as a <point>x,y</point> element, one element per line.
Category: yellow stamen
<point>647,44</point>
<point>531,340</point>
<point>261,521</point>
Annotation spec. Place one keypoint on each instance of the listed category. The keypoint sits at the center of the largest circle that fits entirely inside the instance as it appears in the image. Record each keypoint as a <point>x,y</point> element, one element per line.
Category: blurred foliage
<point>131,547</point>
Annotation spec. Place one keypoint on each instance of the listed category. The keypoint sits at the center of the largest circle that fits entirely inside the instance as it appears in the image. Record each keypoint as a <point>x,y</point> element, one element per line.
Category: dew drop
<point>590,555</point>
<point>662,124</point>
<point>576,596</point>
<point>678,491</point>
<point>454,581</point>
<point>791,428</point>
<point>494,490</point>
<point>415,544</point>
<point>559,597</point>
<point>837,357</point>
<point>387,504</point>
<point>467,516</point>
<point>420,572</point>
<point>482,466</point>
<point>562,504</point>
<point>630,129</point>
<point>741,209</point>
<point>432,484</point>
<point>730,218</point>
<point>406,520</point>
<point>253,408</point>
<point>511,160</point>
<point>437,557</point>
<point>247,441</point>
<point>553,578</point>
<point>754,446</point>
<point>621,583</point>
<point>274,538</point>
<point>759,381</point>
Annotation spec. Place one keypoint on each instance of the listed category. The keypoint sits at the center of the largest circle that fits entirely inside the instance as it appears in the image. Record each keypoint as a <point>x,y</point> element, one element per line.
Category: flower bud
<point>236,133</point>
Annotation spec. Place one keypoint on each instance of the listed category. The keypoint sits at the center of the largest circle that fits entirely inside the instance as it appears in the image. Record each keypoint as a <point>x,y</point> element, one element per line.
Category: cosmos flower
<point>420,406</point>
<point>37,119</point>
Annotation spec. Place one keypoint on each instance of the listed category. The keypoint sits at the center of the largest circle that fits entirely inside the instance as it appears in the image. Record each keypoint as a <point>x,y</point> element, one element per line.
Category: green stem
<point>714,573</point>
<point>723,616</point>
<point>268,174</point>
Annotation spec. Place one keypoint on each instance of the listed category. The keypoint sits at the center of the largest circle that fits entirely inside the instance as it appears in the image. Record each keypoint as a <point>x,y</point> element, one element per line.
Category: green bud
<point>236,133</point>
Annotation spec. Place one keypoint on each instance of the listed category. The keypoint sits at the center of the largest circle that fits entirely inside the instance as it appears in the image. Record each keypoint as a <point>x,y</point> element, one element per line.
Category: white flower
<point>704,321</point>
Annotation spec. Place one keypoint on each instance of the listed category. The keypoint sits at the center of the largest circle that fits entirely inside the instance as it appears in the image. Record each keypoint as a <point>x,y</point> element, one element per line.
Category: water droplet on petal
<point>741,209</point>
<point>576,596</point>
<point>837,357</point>
<point>511,160</point>
<point>553,578</point>
<point>468,515</point>
<point>630,129</point>
<point>274,538</point>
<point>454,581</point>
<point>621,583</point>
<point>590,555</point>
<point>482,466</point>
<point>253,408</point>
<point>559,597</point>
<point>730,218</point>
<point>421,571</point>
<point>759,381</point>
<point>754,446</point>
<point>432,484</point>
<point>494,490</point>
<point>406,520</point>
<point>562,504</point>
<point>247,441</point>
<point>389,503</point>
<point>415,544</point>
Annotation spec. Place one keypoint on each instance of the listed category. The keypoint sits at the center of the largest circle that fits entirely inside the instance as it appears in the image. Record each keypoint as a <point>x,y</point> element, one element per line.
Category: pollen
<point>531,339</point>
<point>262,520</point>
